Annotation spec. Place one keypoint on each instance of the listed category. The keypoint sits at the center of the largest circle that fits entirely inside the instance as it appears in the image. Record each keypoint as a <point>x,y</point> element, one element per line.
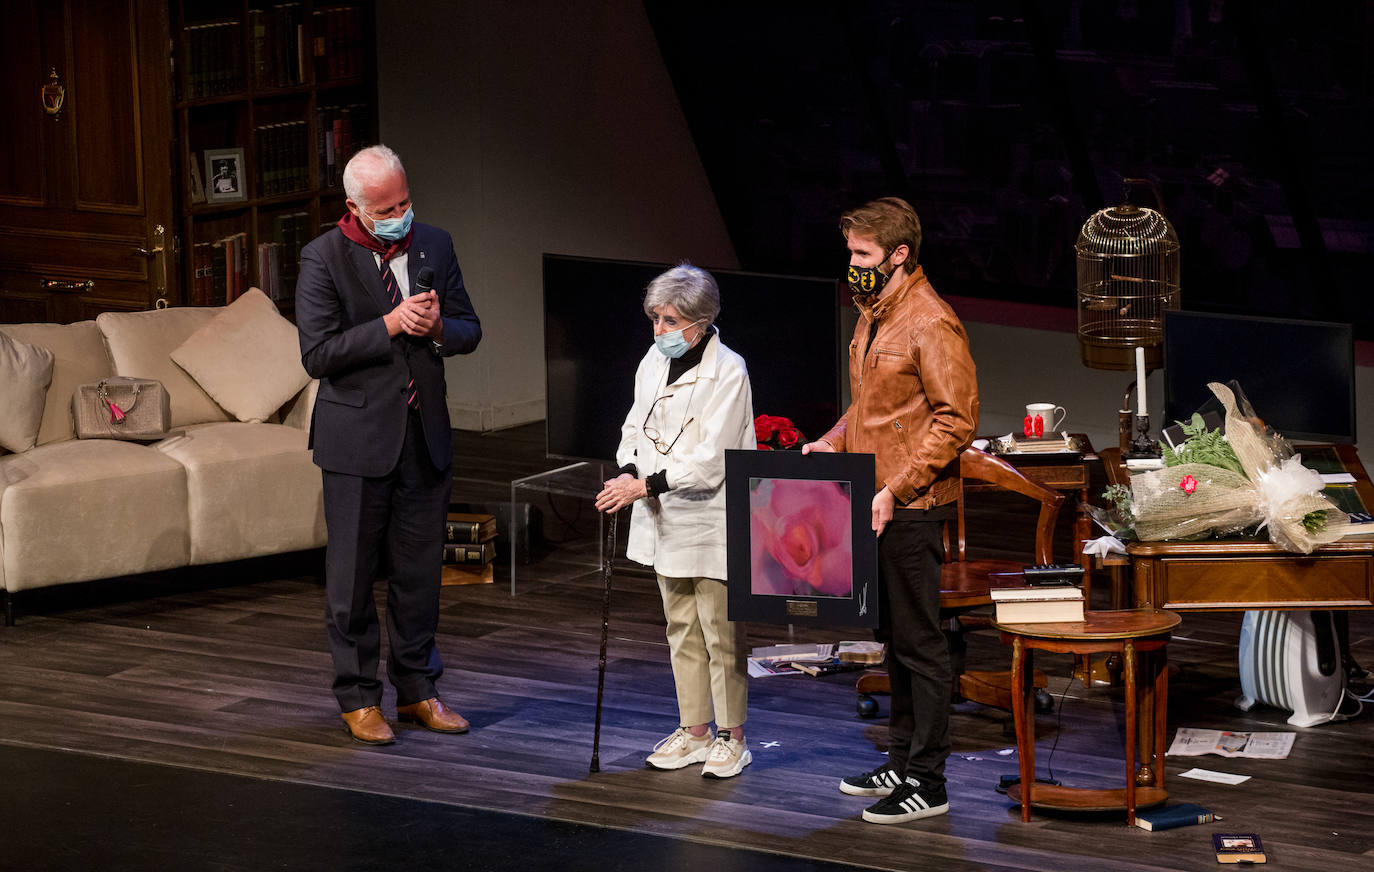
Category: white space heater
<point>1291,660</point>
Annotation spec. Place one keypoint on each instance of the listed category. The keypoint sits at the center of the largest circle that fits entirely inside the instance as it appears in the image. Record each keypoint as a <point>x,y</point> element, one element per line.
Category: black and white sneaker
<point>879,782</point>
<point>908,802</point>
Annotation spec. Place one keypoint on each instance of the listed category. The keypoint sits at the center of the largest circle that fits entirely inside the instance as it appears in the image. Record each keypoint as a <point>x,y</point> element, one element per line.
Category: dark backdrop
<point>1007,123</point>
<point>595,333</point>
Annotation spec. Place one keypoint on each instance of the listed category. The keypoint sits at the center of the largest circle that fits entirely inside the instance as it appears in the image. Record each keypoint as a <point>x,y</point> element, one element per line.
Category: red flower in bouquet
<point>774,432</point>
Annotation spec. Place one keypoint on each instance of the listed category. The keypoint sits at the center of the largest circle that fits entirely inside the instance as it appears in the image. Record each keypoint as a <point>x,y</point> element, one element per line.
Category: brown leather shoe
<point>366,725</point>
<point>432,714</point>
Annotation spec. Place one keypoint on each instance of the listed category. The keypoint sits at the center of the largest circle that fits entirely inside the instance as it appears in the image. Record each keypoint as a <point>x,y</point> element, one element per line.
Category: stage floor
<point>223,670</point>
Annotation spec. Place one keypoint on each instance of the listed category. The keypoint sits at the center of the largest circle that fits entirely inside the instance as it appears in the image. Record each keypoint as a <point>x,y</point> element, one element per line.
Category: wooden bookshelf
<point>270,99</point>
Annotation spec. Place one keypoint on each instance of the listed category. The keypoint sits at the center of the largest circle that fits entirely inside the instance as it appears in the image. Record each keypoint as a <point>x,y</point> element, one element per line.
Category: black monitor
<point>1298,375</point>
<point>595,333</point>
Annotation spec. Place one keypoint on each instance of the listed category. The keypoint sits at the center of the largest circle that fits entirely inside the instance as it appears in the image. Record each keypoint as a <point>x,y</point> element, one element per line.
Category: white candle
<point>1140,406</point>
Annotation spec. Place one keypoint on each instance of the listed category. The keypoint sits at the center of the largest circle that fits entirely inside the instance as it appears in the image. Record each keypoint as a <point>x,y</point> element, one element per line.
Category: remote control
<point>1053,573</point>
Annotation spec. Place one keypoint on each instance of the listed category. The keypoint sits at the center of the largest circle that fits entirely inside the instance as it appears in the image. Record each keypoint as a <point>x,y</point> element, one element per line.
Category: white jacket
<point>682,533</point>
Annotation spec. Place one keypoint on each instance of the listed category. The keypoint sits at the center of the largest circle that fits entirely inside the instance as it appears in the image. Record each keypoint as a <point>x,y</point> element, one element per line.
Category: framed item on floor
<point>800,547</point>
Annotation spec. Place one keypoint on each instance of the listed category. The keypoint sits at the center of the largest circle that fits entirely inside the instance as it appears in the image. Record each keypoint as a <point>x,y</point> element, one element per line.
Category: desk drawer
<point>1286,581</point>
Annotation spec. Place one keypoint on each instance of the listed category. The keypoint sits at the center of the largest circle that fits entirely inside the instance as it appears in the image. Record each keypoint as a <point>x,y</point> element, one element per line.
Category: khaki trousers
<point>707,652</point>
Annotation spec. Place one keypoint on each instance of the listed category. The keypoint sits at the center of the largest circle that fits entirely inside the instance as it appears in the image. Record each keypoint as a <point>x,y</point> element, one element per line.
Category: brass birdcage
<point>1128,275</point>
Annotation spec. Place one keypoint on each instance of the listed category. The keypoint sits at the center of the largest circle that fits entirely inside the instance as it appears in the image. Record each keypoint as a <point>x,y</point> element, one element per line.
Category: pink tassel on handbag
<point>116,414</point>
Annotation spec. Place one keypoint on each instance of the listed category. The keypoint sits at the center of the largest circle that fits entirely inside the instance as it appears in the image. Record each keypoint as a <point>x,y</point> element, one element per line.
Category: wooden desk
<point>1139,637</point>
<point>1244,574</point>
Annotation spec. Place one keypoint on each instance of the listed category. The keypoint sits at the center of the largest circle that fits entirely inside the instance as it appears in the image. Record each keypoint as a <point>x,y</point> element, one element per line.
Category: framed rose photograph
<point>800,547</point>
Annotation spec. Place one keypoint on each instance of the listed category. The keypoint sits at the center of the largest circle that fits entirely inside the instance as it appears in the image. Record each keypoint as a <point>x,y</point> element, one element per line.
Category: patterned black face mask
<point>865,281</point>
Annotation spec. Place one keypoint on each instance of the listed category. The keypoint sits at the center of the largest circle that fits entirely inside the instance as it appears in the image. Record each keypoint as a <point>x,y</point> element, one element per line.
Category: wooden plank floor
<point>225,669</point>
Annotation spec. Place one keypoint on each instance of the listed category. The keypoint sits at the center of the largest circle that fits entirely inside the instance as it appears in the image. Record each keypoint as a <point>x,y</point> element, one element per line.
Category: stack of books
<point>1038,605</point>
<point>469,548</point>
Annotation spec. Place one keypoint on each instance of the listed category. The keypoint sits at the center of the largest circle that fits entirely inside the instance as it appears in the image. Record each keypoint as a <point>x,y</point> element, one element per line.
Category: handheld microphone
<point>424,280</point>
<point>424,283</point>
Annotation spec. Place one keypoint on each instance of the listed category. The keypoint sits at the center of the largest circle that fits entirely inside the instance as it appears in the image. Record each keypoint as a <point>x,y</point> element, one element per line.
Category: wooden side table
<point>1139,636</point>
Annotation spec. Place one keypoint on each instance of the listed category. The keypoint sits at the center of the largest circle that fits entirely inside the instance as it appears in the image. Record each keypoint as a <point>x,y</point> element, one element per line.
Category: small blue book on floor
<point>1166,817</point>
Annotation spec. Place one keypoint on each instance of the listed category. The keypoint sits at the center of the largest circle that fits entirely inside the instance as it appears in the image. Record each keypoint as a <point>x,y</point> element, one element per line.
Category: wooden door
<point>85,188</point>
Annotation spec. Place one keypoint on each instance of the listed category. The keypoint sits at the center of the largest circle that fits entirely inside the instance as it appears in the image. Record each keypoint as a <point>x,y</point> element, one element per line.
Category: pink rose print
<point>801,538</point>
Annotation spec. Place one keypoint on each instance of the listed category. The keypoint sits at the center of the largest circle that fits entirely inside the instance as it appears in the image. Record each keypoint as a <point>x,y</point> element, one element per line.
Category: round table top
<point>1120,624</point>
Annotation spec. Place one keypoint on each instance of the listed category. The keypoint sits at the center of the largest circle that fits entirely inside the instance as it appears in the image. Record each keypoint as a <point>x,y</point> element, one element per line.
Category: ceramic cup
<point>1042,418</point>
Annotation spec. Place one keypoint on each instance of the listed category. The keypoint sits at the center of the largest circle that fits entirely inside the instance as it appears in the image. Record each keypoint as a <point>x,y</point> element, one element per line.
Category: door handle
<point>159,272</point>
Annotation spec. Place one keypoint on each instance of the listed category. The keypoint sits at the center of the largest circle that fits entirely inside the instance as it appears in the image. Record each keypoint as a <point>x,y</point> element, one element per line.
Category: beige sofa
<point>237,481</point>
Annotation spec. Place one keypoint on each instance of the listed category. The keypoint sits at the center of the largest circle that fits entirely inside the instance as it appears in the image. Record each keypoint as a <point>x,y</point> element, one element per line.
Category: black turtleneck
<point>657,482</point>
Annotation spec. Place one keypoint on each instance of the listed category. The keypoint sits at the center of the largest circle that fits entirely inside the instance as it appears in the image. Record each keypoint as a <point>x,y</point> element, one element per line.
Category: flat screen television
<point>595,333</point>
<point>1298,375</point>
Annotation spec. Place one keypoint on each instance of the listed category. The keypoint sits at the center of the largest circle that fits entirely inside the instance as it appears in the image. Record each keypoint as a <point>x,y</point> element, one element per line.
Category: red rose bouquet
<point>774,433</point>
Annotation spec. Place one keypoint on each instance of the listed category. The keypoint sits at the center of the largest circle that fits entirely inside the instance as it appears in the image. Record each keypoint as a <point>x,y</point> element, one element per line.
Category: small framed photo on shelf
<point>800,547</point>
<point>226,178</point>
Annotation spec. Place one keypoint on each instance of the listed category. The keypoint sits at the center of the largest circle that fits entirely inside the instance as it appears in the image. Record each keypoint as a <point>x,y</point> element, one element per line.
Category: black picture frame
<point>797,538</point>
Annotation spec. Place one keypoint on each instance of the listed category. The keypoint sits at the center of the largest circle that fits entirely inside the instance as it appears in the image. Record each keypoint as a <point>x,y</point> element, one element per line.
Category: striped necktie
<point>393,292</point>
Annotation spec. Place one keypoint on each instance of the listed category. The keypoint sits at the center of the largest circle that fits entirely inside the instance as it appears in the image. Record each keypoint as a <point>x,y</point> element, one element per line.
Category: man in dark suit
<point>380,431</point>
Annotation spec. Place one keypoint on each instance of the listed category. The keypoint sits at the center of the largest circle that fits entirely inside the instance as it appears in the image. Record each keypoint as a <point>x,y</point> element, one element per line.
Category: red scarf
<point>356,232</point>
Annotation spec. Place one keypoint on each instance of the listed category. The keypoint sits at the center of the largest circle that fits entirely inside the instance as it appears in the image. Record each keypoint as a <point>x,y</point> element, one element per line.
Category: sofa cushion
<point>90,508</point>
<point>26,372</point>
<point>252,489</point>
<point>141,345</point>
<point>79,357</point>
<point>247,358</point>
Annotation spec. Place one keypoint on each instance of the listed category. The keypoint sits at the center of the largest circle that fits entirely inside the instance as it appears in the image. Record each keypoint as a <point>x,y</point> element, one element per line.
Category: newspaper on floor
<point>1194,742</point>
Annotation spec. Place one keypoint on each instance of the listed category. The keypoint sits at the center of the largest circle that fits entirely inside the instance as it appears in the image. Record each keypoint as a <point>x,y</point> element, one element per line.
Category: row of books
<point>279,49</point>
<point>338,36</point>
<point>469,548</point>
<point>283,158</point>
<point>340,132</point>
<point>214,58</point>
<point>220,270</point>
<point>220,267</point>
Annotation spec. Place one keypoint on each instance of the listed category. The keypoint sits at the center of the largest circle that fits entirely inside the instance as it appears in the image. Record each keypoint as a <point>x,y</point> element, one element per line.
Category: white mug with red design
<point>1042,418</point>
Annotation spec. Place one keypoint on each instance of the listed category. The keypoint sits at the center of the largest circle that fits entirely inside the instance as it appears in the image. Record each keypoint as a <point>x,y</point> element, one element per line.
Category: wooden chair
<point>966,585</point>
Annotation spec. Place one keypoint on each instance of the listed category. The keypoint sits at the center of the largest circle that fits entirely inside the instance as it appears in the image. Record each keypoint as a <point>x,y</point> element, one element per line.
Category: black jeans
<point>910,554</point>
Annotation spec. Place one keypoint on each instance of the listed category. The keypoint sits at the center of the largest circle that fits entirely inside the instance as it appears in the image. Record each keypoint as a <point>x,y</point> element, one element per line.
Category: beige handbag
<point>120,407</point>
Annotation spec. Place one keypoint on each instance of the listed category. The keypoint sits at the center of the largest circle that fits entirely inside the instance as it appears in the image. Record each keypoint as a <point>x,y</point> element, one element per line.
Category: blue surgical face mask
<point>393,229</point>
<point>673,344</point>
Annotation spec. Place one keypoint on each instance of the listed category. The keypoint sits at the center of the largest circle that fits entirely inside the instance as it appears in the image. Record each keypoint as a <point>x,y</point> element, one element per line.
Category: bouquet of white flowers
<point>1218,484</point>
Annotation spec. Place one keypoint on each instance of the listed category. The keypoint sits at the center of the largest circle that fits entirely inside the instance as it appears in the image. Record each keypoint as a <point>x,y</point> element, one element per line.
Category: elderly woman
<point>691,402</point>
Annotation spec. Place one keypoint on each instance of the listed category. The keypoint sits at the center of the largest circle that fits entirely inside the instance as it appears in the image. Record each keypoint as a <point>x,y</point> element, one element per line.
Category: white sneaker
<point>727,757</point>
<point>679,749</point>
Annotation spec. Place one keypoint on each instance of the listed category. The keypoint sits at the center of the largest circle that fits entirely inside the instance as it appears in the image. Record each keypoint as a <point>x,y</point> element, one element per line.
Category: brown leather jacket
<point>915,394</point>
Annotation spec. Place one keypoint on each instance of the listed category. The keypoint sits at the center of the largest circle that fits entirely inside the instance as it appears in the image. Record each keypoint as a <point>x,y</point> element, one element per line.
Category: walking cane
<point>606,559</point>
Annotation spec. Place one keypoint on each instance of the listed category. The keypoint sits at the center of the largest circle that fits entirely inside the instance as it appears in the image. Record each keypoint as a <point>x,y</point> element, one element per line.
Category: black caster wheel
<point>867,706</point>
<point>1044,703</point>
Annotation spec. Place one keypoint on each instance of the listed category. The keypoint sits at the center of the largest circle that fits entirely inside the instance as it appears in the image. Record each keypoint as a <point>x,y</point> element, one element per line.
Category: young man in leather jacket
<point>915,407</point>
